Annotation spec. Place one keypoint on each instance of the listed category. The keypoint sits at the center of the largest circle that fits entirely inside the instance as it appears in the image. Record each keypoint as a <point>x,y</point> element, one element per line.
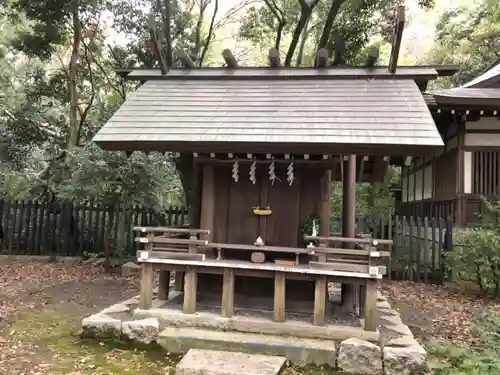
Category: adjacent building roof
<point>272,115</point>
<point>488,79</point>
<point>483,92</point>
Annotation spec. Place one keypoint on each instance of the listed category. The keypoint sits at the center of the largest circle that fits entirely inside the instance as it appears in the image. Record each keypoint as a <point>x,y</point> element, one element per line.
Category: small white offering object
<point>259,241</point>
<point>373,271</point>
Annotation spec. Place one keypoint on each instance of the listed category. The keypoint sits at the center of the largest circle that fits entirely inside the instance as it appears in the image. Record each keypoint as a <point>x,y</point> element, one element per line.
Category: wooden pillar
<point>320,299</point>
<point>208,201</point>
<point>349,223</point>
<point>326,204</point>
<point>163,285</point>
<point>227,305</point>
<point>190,286</point>
<point>370,305</point>
<point>460,175</point>
<point>279,296</point>
<point>146,296</point>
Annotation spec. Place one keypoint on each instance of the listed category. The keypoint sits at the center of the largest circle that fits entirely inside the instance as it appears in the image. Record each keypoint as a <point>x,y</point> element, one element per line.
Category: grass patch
<point>53,336</point>
<point>57,342</point>
<point>482,359</point>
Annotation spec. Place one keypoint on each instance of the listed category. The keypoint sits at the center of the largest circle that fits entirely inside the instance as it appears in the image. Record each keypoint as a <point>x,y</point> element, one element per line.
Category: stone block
<point>383,304</point>
<point>213,362</point>
<point>391,320</point>
<point>115,309</point>
<point>144,331</point>
<point>398,330</point>
<point>130,269</point>
<point>404,360</point>
<point>401,341</point>
<point>101,326</point>
<point>359,357</point>
<point>300,351</point>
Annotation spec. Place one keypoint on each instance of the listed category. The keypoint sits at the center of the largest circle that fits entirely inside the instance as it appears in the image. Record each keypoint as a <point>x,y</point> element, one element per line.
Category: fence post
<point>448,272</point>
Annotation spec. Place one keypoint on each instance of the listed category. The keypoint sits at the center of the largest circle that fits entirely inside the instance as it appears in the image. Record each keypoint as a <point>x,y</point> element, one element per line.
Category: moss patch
<point>52,340</point>
<point>55,343</point>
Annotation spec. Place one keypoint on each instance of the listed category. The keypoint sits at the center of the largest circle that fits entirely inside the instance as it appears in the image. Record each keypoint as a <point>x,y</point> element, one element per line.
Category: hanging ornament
<point>236,171</point>
<point>289,174</point>
<point>252,172</point>
<point>272,173</point>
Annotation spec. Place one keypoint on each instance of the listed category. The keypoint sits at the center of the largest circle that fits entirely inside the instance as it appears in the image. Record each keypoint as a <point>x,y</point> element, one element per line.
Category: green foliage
<point>462,360</point>
<point>477,256</point>
<point>107,178</point>
<point>356,24</point>
<point>371,199</point>
<point>467,36</point>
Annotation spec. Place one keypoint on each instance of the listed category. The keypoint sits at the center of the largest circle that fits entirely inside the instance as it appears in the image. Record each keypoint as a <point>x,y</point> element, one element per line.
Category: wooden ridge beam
<point>229,58</point>
<point>372,56</point>
<point>321,58</point>
<point>274,58</point>
<point>156,46</point>
<point>184,58</point>
<point>397,37</point>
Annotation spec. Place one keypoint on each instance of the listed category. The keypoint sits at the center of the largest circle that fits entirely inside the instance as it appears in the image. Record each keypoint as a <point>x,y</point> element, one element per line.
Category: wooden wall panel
<point>445,175</point>
<point>283,224</point>
<point>223,182</point>
<point>243,225</point>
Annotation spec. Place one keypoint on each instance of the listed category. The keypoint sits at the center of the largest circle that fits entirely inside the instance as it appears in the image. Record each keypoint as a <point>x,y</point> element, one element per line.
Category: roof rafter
<point>397,37</point>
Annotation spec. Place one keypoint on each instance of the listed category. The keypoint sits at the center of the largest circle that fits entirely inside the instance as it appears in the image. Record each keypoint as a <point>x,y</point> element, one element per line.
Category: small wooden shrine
<point>266,144</point>
<point>452,180</point>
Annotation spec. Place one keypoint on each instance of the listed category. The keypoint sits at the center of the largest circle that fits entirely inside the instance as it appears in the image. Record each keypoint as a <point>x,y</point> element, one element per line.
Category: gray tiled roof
<point>356,111</point>
<point>469,93</point>
<point>489,78</point>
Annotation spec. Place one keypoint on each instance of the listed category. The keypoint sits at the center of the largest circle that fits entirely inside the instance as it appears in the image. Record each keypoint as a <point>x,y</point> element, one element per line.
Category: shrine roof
<point>272,115</point>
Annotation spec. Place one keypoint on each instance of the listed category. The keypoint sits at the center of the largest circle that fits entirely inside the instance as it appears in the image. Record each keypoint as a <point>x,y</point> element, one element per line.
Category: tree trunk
<point>305,34</point>
<point>72,84</point>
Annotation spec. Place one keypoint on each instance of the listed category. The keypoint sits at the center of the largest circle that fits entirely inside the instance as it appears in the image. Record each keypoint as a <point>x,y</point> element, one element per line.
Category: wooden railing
<point>167,252</point>
<point>485,173</point>
<point>430,208</point>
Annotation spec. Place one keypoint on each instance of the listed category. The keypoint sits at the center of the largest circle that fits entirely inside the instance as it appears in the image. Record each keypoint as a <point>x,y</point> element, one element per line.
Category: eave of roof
<point>465,98</point>
<point>342,72</point>
<point>278,116</point>
<point>422,73</point>
<point>489,78</point>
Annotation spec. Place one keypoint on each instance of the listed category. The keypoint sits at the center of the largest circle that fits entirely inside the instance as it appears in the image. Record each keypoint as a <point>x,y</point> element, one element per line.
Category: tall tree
<point>344,26</point>
<point>467,36</point>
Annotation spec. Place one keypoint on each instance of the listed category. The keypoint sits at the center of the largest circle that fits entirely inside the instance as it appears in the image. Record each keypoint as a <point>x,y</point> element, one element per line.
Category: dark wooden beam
<point>361,168</point>
<point>397,37</point>
<point>339,53</point>
<point>274,58</point>
<point>372,56</point>
<point>156,46</point>
<point>380,165</point>
<point>229,59</point>
<point>184,59</point>
<point>322,58</point>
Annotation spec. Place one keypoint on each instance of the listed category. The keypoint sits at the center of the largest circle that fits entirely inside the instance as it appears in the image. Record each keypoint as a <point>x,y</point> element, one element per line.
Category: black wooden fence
<point>65,229</point>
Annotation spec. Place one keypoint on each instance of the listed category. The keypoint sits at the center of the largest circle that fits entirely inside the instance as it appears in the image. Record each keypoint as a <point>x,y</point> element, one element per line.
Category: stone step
<point>298,350</point>
<point>214,362</point>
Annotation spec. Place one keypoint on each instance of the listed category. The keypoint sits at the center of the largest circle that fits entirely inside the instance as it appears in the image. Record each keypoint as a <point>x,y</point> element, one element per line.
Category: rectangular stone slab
<point>214,362</point>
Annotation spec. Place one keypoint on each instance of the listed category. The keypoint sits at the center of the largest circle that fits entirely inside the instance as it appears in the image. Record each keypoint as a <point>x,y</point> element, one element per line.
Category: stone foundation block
<point>101,326</point>
<point>404,360</point>
<point>144,331</point>
<point>359,357</point>
<point>213,362</point>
